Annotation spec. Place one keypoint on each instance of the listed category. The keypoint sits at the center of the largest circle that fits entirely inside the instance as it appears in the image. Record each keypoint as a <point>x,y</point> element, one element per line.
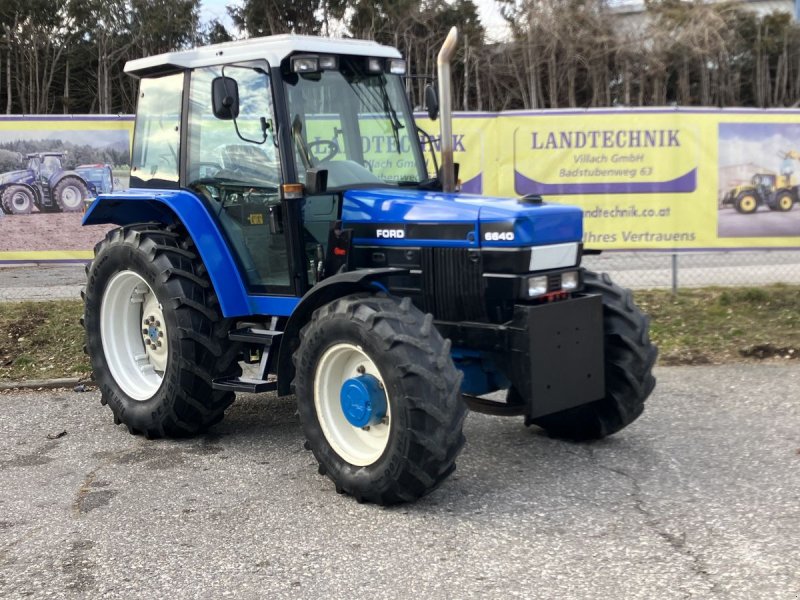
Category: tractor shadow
<point>504,467</point>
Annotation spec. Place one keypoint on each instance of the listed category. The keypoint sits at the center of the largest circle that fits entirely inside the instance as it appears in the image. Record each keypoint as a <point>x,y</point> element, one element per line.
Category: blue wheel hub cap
<point>363,401</point>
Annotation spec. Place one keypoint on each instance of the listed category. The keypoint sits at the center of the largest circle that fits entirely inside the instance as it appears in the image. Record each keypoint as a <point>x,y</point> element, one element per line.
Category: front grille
<point>452,284</point>
<point>554,282</point>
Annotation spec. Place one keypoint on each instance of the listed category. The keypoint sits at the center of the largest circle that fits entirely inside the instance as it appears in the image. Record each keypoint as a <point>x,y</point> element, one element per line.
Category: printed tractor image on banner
<point>51,168</point>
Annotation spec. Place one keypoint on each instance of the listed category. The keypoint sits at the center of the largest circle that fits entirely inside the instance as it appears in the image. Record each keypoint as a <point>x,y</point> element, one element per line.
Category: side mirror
<point>432,102</point>
<point>225,98</point>
<point>316,181</point>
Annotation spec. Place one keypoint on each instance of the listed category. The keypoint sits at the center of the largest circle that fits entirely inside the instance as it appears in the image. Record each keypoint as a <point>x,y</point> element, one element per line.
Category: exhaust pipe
<point>446,110</point>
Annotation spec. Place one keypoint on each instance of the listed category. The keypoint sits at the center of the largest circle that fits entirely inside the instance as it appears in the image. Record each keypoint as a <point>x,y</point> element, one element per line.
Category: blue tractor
<point>280,215</point>
<point>44,184</point>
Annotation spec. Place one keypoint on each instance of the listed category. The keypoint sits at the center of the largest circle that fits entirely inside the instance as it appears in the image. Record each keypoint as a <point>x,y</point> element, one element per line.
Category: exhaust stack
<point>446,110</point>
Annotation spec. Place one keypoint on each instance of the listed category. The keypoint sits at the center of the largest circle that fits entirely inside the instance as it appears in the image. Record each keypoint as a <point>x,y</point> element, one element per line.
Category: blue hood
<point>21,176</point>
<point>399,217</point>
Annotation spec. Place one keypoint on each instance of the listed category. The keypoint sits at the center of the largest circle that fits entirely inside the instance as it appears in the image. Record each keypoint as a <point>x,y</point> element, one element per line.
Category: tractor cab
<point>271,143</point>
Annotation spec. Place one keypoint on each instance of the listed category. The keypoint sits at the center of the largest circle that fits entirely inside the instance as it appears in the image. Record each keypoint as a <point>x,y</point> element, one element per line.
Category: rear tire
<point>148,277</point>
<point>69,194</point>
<point>413,449</point>
<point>17,200</point>
<point>629,360</point>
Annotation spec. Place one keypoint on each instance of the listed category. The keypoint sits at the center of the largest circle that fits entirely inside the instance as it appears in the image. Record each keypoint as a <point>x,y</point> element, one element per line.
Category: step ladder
<point>264,341</point>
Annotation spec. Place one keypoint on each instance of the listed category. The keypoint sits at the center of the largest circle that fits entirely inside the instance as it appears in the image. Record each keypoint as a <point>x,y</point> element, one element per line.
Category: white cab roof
<point>273,49</point>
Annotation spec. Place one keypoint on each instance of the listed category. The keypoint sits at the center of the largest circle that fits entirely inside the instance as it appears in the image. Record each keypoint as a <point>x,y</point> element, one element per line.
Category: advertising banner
<point>661,179</point>
<point>647,179</point>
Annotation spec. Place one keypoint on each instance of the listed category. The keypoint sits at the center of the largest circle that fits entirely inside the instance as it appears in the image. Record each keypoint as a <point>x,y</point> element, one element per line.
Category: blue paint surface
<point>171,206</point>
<point>533,224</point>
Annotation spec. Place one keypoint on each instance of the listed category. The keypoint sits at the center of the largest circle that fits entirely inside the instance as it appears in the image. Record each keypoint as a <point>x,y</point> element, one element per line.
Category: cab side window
<point>156,141</point>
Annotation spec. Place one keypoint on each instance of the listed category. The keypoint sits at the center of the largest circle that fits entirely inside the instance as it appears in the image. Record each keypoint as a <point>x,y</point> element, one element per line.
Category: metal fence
<point>675,270</point>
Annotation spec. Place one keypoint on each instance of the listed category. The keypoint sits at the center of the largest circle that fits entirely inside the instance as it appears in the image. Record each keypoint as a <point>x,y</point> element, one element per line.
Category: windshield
<point>355,124</point>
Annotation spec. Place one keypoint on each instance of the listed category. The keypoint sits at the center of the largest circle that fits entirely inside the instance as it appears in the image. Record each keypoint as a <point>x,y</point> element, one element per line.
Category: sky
<point>488,10</point>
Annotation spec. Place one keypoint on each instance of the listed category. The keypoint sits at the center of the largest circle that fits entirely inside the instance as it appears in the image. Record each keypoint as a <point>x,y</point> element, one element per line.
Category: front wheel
<point>379,398</point>
<point>69,194</point>
<point>154,333</point>
<point>784,202</point>
<point>629,359</point>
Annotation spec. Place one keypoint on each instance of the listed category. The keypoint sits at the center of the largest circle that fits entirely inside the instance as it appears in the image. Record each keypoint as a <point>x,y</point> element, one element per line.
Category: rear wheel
<point>379,398</point>
<point>154,333</point>
<point>17,200</point>
<point>69,194</point>
<point>629,360</point>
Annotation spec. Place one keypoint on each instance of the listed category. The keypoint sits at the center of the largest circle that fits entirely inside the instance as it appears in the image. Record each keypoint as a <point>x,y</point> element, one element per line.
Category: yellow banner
<point>648,179</point>
<point>651,179</point>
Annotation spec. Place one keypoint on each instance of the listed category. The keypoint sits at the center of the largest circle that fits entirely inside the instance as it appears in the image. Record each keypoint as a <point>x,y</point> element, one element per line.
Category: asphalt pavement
<point>700,498</point>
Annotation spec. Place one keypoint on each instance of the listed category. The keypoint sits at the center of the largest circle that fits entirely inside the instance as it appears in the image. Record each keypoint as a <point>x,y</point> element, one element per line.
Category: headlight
<point>328,63</point>
<point>570,281</point>
<point>305,64</point>
<point>397,66</point>
<point>537,286</point>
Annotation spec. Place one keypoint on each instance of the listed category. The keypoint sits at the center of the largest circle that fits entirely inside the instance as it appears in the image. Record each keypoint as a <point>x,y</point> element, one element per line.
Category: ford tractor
<point>45,184</point>
<point>280,216</point>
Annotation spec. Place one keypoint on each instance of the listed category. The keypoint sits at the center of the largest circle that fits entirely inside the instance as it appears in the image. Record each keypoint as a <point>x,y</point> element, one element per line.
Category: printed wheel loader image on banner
<point>46,185</point>
<point>776,192</point>
<point>385,300</point>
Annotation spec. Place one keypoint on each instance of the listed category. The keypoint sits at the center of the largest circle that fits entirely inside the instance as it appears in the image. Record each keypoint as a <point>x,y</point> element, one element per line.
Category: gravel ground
<point>48,231</point>
<point>699,498</point>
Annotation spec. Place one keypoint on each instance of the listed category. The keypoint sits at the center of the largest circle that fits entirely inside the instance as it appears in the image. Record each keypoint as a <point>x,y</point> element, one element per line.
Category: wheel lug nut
<point>158,343</point>
<point>365,428</point>
<point>361,369</point>
<point>160,334</point>
<point>144,331</point>
<point>158,323</point>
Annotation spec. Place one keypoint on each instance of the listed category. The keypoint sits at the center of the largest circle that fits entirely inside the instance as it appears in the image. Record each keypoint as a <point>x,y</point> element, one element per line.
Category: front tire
<point>412,444</point>
<point>154,333</point>
<point>783,202</point>
<point>629,360</point>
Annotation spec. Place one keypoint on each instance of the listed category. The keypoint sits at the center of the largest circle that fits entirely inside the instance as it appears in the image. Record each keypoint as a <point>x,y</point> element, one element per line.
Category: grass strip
<point>42,340</point>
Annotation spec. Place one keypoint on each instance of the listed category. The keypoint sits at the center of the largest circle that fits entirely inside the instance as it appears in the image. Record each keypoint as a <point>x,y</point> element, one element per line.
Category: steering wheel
<point>331,146</point>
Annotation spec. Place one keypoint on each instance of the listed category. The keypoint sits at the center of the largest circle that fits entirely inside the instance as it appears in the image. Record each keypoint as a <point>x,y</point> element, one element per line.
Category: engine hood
<point>14,176</point>
<point>398,217</point>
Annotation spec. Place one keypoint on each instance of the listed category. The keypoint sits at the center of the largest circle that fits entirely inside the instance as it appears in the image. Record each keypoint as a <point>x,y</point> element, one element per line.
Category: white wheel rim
<point>358,446</point>
<point>137,359</point>
<point>71,196</point>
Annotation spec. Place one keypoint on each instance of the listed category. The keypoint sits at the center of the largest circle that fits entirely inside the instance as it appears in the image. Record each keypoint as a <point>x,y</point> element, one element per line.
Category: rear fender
<point>326,291</point>
<point>172,207</point>
<point>56,178</point>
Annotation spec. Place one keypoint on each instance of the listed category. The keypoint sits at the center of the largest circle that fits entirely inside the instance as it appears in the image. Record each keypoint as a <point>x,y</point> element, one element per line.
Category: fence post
<point>674,273</point>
